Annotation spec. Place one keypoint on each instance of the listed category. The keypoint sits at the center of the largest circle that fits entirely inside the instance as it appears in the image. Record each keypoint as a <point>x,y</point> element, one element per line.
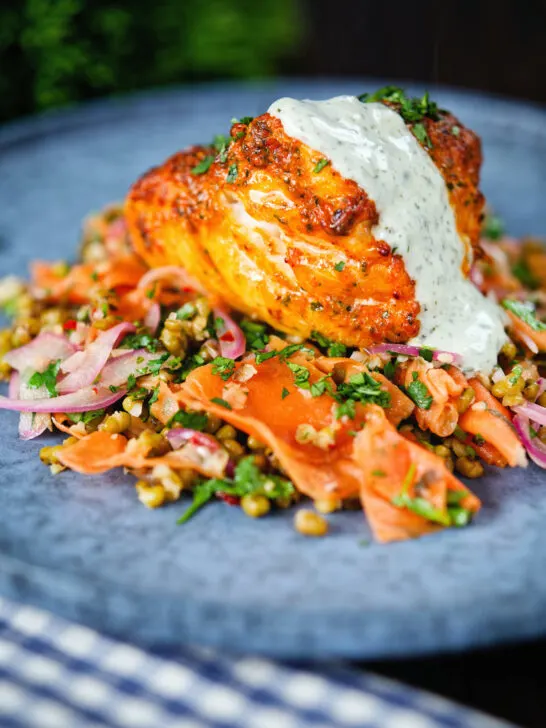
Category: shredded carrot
<point>386,458</point>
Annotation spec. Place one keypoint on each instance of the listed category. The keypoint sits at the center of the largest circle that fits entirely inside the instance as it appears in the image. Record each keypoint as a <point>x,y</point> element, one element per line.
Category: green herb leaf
<point>85,417</point>
<point>221,402</point>
<point>321,386</point>
<point>204,165</point>
<point>493,227</point>
<point>186,312</point>
<point>190,419</point>
<point>419,393</point>
<point>284,393</point>
<point>47,378</point>
<point>426,353</point>
<point>340,266</point>
<point>202,493</point>
<point>389,369</point>
<point>455,130</point>
<point>379,473</point>
<point>301,375</point>
<point>255,333</point>
<point>233,171</point>
<point>155,395</point>
<point>319,166</point>
<point>346,409</point>
<point>420,133</point>
<point>140,341</point>
<point>242,120</point>
<point>362,387</point>
<point>479,439</point>
<point>525,312</point>
<point>223,367</point>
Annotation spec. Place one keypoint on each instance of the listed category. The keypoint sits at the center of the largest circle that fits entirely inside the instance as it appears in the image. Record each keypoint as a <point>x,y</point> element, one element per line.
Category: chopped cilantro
<point>255,333</point>
<point>319,166</point>
<point>515,374</point>
<point>301,375</point>
<point>455,130</point>
<point>186,312</point>
<point>221,144</point>
<point>332,348</point>
<point>94,276</point>
<point>523,273</point>
<point>346,409</point>
<point>155,395</point>
<point>247,479</point>
<point>283,354</point>
<point>410,109</point>
<point>284,393</point>
<point>223,367</point>
<point>420,133</point>
<point>151,293</point>
<point>221,402</point>
<point>389,369</point>
<point>379,473</point>
<point>479,439</point>
<point>242,120</point>
<point>233,171</point>
<point>47,378</point>
<point>340,266</point>
<point>321,385</point>
<point>362,387</point>
<point>525,312</point>
<point>192,420</point>
<point>426,353</point>
<point>204,165</point>
<point>493,227</point>
<point>140,341</point>
<point>460,434</point>
<point>85,417</point>
<point>131,381</point>
<point>113,388</point>
<point>265,355</point>
<point>419,393</point>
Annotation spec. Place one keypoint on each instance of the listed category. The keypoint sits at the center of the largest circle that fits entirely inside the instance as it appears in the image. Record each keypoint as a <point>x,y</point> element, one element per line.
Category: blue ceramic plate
<point>86,548</point>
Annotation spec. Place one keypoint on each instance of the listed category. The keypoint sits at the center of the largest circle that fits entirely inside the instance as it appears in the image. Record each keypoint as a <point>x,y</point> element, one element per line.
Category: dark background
<point>54,53</point>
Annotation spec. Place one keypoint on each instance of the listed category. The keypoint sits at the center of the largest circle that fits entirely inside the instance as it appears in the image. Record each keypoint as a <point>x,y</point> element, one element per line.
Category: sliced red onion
<point>182,435</point>
<point>170,272</point>
<point>536,449</point>
<point>153,317</point>
<point>85,366</point>
<point>115,374</point>
<point>13,387</point>
<point>32,424</point>
<point>230,336</point>
<point>38,353</point>
<point>533,411</point>
<point>446,357</point>
<point>476,276</point>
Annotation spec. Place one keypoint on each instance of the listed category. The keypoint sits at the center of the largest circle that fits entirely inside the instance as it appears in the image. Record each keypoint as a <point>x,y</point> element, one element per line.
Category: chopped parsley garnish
<point>319,166</point>
<point>242,120</point>
<point>223,367</point>
<point>283,354</point>
<point>131,381</point>
<point>154,365</point>
<point>255,333</point>
<point>221,144</point>
<point>151,293</point>
<point>523,273</point>
<point>284,393</point>
<point>47,378</point>
<point>155,395</point>
<point>515,374</point>
<point>389,369</point>
<point>191,420</point>
<point>140,341</point>
<point>233,171</point>
<point>525,312</point>
<point>379,473</point>
<point>426,353</point>
<point>420,133</point>
<point>493,227</point>
<point>247,480</point>
<point>332,348</point>
<point>361,387</point>
<point>346,409</point>
<point>85,417</point>
<point>301,375</point>
<point>340,266</point>
<point>479,439</point>
<point>322,385</point>
<point>419,393</point>
<point>204,165</point>
<point>412,110</point>
<point>113,388</point>
<point>455,130</point>
<point>221,402</point>
<point>186,312</point>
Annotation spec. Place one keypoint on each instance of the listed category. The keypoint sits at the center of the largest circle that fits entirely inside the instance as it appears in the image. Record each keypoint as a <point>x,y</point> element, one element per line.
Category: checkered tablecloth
<point>57,674</point>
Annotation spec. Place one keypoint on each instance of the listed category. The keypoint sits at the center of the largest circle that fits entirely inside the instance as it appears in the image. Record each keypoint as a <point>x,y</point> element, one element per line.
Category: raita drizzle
<point>370,144</point>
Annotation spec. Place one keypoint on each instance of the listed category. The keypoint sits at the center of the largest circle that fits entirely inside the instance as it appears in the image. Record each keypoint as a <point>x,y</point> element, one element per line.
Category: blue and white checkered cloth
<point>57,674</point>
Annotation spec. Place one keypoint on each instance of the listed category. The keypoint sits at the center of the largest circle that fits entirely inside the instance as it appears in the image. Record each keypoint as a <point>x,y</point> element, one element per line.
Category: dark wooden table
<point>506,682</point>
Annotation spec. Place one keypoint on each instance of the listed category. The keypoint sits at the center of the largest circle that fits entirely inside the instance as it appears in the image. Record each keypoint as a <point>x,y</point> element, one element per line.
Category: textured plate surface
<point>86,548</point>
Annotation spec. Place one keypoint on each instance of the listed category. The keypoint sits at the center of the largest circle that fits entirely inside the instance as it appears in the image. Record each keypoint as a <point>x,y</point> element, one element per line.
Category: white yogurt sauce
<point>370,144</point>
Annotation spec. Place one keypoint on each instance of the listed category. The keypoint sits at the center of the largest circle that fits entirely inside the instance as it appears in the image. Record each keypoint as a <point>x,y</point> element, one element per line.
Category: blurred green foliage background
<point>55,52</point>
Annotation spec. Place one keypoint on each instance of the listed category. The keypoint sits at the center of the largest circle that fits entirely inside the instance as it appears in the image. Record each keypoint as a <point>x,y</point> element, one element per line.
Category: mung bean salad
<point>142,371</point>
